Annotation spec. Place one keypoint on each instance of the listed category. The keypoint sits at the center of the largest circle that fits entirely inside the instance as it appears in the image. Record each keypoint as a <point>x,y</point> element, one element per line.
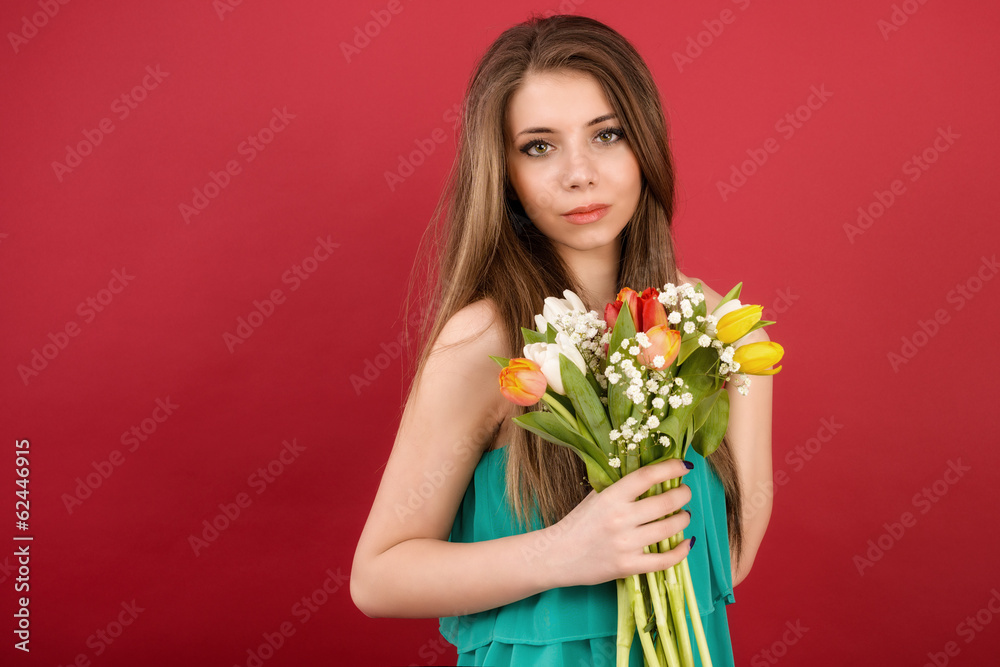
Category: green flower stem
<point>699,631</point>
<point>626,623</point>
<point>660,651</point>
<point>678,585</point>
<point>667,640</point>
<point>675,589</point>
<point>558,408</point>
<point>652,659</point>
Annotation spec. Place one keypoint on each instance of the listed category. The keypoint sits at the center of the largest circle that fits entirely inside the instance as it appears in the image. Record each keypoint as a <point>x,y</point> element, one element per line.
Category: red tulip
<point>611,311</point>
<point>653,312</point>
<point>664,342</point>
<point>522,382</point>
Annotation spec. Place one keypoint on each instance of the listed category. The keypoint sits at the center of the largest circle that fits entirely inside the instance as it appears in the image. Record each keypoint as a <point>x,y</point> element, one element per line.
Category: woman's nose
<point>580,169</point>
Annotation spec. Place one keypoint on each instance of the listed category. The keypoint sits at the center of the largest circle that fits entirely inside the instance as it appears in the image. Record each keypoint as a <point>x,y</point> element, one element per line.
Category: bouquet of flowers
<point>635,388</point>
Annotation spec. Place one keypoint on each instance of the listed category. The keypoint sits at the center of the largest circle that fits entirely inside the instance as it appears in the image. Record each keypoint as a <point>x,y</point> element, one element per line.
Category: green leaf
<point>670,426</point>
<point>550,427</point>
<point>587,405</point>
<point>503,361</point>
<point>550,333</point>
<point>699,310</point>
<point>619,405</point>
<point>531,336</point>
<point>732,294</point>
<point>592,379</point>
<point>699,362</point>
<point>689,345</point>
<point>709,436</point>
<point>678,420</point>
<point>760,324</point>
<point>624,328</point>
<point>563,400</point>
<point>596,475</point>
<point>705,408</point>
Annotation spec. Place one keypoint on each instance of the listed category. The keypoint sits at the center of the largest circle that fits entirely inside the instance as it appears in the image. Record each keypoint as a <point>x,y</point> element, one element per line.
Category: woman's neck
<point>596,272</point>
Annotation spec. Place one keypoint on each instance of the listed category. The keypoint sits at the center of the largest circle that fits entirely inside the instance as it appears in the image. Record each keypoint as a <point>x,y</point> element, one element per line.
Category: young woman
<point>563,180</point>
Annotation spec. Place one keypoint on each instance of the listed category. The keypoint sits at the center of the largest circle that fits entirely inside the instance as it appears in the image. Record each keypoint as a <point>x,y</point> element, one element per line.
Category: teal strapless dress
<point>577,625</point>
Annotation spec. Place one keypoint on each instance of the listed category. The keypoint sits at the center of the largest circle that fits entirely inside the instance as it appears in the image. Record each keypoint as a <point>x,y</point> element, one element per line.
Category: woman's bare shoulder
<point>712,298</point>
<point>477,323</point>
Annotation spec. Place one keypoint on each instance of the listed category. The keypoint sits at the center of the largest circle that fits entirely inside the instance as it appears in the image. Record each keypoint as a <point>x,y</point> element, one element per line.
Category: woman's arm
<point>749,432</point>
<point>404,567</point>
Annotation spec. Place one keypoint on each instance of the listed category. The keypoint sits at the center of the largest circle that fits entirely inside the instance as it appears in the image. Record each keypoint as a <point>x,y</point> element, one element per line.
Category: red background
<point>842,305</point>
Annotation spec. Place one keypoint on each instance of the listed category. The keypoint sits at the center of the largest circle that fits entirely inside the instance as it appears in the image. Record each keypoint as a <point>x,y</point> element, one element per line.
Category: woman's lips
<point>589,216</point>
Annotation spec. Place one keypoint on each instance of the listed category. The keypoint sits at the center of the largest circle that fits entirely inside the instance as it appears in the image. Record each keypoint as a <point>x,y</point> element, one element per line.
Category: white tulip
<point>546,355</point>
<point>554,306</point>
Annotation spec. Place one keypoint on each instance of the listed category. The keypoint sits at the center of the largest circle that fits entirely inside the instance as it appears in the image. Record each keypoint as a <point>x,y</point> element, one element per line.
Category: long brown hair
<point>486,248</point>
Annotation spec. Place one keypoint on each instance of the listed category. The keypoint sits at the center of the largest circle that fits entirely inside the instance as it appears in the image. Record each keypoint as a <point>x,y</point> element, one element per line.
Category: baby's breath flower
<point>615,358</point>
<point>633,350</point>
<point>658,403</point>
<point>687,397</point>
<point>652,422</point>
<point>642,339</point>
<point>689,327</point>
<point>675,401</point>
<point>615,462</point>
<point>704,340</point>
<point>674,317</point>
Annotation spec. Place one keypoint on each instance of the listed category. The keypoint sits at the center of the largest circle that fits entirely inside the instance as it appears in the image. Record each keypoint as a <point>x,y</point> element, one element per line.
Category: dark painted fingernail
<point>689,512</point>
<point>689,465</point>
<point>692,544</point>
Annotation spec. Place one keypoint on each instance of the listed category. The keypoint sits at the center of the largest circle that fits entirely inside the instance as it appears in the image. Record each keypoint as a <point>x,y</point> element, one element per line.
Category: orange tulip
<point>522,382</point>
<point>665,342</point>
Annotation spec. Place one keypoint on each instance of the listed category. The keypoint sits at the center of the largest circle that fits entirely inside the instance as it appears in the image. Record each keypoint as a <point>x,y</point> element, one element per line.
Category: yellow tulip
<point>756,358</point>
<point>736,324</point>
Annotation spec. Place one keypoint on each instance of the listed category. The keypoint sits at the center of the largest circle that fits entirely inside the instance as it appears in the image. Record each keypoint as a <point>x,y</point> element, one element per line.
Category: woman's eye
<point>607,137</point>
<point>612,133</point>
<point>536,145</point>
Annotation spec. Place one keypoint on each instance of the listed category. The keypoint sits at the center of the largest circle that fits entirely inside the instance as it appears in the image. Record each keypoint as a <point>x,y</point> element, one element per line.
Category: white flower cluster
<point>586,330</point>
<point>629,437</point>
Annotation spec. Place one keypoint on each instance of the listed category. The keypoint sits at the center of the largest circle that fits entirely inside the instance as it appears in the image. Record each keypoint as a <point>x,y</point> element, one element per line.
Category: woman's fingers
<point>654,562</point>
<point>664,504</point>
<point>642,480</point>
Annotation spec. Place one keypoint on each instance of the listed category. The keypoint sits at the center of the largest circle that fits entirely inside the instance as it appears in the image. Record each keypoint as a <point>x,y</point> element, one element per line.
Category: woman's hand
<point>602,538</point>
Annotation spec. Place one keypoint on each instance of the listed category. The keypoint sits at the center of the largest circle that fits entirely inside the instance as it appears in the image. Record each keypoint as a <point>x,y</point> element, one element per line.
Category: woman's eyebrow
<point>546,130</point>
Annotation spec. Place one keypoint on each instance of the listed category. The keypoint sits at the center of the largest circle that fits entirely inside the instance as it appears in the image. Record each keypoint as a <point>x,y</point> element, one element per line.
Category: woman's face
<point>566,150</point>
